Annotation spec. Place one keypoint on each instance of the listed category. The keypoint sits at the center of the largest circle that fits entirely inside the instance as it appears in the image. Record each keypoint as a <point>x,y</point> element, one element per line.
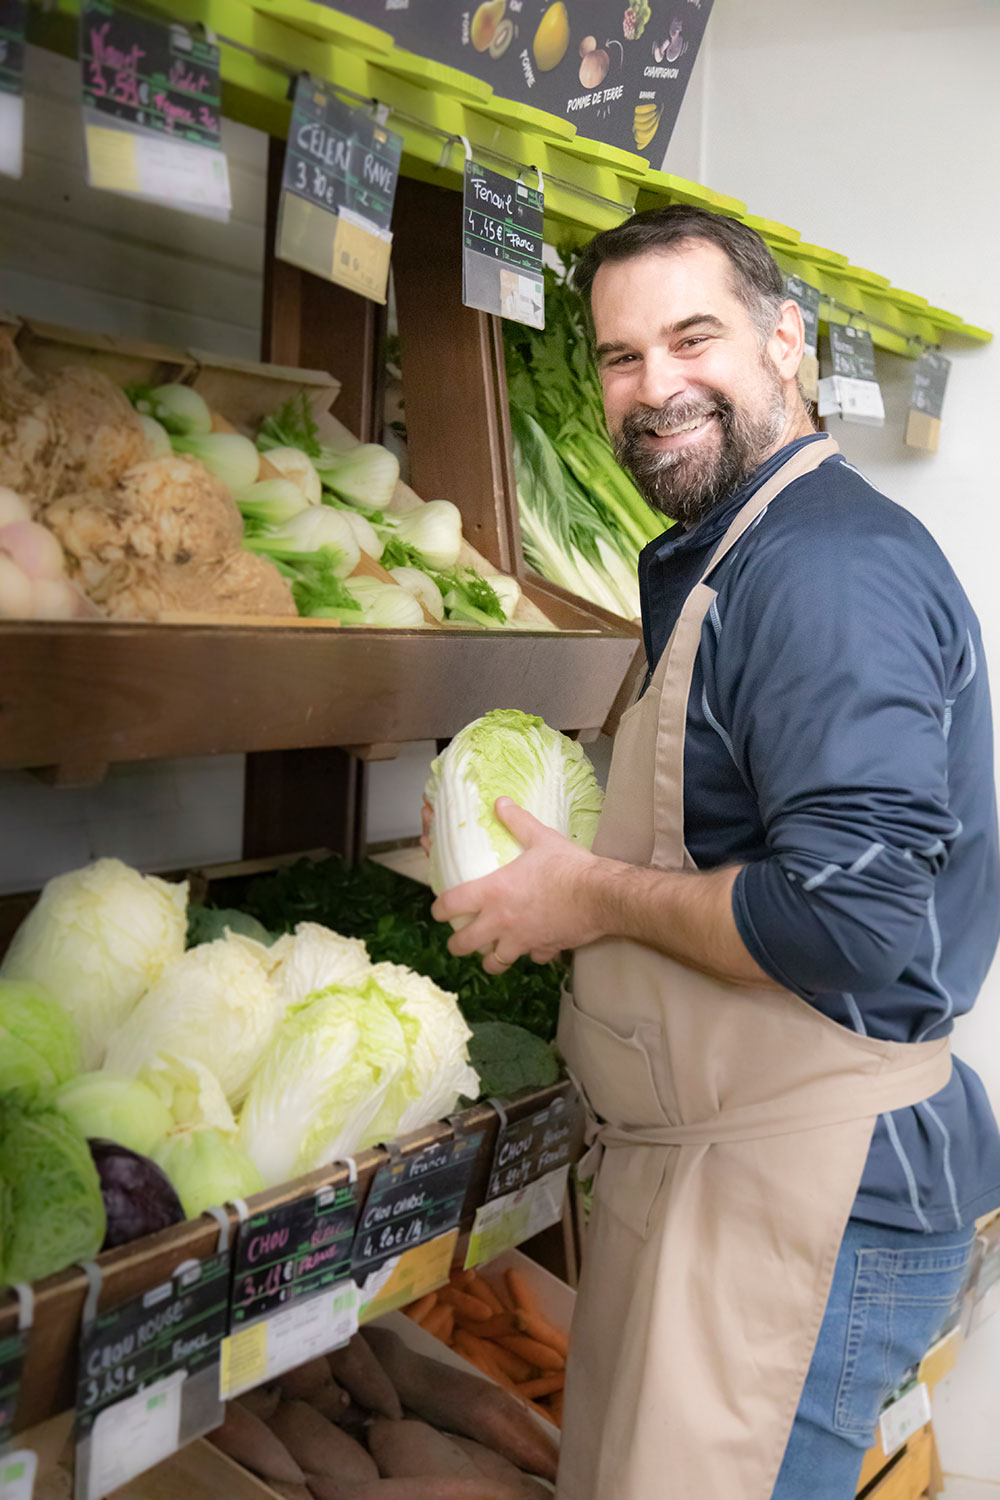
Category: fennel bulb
<point>315,529</point>
<point>365,534</point>
<point>438,1071</point>
<point>178,408</point>
<point>272,501</point>
<point>156,436</point>
<point>97,939</point>
<point>315,958</point>
<point>418,583</point>
<point>434,530</point>
<point>506,753</point>
<point>216,1005</point>
<point>228,455</point>
<point>385,604</point>
<point>365,475</point>
<point>321,1083</point>
<point>507,590</point>
<point>297,466</point>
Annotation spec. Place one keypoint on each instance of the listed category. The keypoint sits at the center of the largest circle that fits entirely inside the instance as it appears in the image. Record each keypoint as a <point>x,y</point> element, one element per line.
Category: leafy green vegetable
<point>205,1167</point>
<point>51,1210</point>
<point>109,1107</point>
<point>206,923</point>
<point>393,916</point>
<point>292,426</point>
<point>39,1047</point>
<point>505,753</point>
<point>508,1058</point>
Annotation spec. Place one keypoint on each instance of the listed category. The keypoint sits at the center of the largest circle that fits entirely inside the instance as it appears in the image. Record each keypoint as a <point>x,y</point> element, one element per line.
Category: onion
<point>17,592</point>
<point>35,550</point>
<point>55,599</point>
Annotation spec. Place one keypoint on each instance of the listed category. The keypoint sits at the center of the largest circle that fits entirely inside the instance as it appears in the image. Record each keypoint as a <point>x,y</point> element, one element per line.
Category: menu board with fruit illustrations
<point>617,68</point>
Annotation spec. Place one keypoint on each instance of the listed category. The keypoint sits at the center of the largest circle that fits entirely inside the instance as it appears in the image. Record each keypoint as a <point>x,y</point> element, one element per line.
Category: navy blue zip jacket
<point>840,746</point>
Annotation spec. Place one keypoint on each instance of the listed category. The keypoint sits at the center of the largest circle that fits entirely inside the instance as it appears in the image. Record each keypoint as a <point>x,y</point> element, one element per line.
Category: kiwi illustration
<point>501,38</point>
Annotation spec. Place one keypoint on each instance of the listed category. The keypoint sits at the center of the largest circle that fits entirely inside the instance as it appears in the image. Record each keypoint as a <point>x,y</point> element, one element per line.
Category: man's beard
<point>687,483</point>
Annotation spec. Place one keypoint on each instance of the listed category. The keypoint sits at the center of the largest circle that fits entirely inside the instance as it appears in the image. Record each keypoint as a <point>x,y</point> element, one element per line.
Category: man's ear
<point>787,343</point>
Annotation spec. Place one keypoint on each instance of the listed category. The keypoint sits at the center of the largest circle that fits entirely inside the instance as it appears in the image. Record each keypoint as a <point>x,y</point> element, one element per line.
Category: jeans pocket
<point>898,1302</point>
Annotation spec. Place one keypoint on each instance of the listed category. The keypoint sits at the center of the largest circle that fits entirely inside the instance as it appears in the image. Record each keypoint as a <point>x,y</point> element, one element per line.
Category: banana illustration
<point>645,123</point>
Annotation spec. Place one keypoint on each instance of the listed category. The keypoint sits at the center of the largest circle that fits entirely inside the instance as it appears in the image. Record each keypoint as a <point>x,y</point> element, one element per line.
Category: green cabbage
<point>189,1091</point>
<point>321,1083</point>
<point>506,753</point>
<point>111,1108</point>
<point>215,1006</point>
<point>51,1210</point>
<point>437,1069</point>
<point>39,1047</point>
<point>206,1168</point>
<point>98,938</point>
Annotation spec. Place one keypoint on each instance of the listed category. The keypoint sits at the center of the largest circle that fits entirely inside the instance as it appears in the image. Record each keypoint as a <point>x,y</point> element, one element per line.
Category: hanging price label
<point>807,298</point>
<point>502,246</point>
<point>413,1199</point>
<point>337,191</point>
<point>507,1222</point>
<point>930,381</point>
<point>538,1144</point>
<point>148,1376</point>
<point>852,391</point>
<point>152,109</point>
<point>904,1417</point>
<point>293,1297</point>
<point>17,1475</point>
<point>13,18</point>
<point>11,1358</point>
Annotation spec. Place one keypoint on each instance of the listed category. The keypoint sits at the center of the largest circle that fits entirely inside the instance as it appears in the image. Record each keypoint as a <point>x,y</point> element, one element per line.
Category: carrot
<point>501,1325</point>
<point>542,1355</point>
<point>546,1385</point>
<point>439,1322</point>
<point>556,1408</point>
<point>521,1294</point>
<point>481,1354</point>
<point>502,1294</point>
<point>418,1310</point>
<point>480,1287</point>
<point>543,1331</point>
<point>512,1364</point>
<point>470,1306</point>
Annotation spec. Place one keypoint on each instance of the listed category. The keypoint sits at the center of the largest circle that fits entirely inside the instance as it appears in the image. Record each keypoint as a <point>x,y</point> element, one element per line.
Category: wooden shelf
<point>89,694</point>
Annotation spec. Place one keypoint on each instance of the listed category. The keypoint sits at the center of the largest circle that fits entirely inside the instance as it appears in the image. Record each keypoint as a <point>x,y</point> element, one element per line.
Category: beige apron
<point>737,1124</point>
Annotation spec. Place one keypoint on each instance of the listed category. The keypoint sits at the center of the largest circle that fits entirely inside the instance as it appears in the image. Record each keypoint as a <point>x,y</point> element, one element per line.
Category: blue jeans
<point>892,1289</point>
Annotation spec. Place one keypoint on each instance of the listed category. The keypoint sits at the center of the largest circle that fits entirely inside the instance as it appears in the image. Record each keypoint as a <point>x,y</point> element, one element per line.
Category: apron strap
<point>675,668</point>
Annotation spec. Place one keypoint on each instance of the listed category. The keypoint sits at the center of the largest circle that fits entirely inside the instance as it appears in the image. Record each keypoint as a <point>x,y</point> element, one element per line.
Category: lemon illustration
<point>551,38</point>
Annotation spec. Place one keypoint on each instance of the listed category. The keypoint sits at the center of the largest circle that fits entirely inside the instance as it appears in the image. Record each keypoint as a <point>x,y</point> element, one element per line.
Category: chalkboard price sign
<point>294,1251</point>
<point>502,246</point>
<point>543,1142</point>
<point>149,74</point>
<point>11,1356</point>
<point>13,17</point>
<point>413,1199</point>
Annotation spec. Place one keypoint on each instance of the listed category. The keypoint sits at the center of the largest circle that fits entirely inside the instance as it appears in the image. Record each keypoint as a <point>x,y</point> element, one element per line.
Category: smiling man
<point>792,895</point>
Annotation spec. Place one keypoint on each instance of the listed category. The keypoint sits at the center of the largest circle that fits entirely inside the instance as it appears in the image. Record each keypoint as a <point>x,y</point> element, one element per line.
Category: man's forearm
<point>687,916</point>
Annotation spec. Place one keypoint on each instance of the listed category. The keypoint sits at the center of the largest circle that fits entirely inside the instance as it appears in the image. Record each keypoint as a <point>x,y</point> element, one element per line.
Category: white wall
<point>873,130</point>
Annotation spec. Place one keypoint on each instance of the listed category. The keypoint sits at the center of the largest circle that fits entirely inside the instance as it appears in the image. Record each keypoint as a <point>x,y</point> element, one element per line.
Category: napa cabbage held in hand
<point>506,753</point>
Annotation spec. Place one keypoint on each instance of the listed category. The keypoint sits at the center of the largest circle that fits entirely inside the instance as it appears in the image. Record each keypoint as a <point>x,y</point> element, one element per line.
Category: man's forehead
<point>661,281</point>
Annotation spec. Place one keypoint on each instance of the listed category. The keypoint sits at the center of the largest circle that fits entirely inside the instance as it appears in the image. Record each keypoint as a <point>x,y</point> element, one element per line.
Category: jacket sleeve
<point>830,671</point>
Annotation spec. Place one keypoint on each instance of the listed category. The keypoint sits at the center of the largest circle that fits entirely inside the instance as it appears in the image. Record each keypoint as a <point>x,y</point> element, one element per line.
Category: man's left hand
<point>545,900</point>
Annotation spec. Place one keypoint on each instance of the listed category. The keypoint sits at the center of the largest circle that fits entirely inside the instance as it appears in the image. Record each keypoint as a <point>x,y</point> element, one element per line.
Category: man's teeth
<point>684,426</point>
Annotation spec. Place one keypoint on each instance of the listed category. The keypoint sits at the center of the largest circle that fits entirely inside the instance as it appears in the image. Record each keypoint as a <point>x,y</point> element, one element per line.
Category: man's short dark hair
<point>757,280</point>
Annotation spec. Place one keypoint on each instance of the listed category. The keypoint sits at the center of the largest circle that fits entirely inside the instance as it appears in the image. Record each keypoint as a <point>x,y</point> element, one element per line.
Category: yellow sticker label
<point>112,159</point>
<point>244,1360</point>
<point>415,1273</point>
<point>361,260</point>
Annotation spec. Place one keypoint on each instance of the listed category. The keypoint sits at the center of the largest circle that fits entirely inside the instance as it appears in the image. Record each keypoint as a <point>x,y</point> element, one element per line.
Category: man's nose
<point>662,379</point>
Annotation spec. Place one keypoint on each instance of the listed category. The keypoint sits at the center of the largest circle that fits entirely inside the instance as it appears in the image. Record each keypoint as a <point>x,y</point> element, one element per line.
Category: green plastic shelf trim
<point>907,299</point>
<point>436,75</point>
<point>525,117</point>
<point>770,229</point>
<point>945,319</point>
<point>861,277</point>
<point>819,255</point>
<point>656,186</point>
<point>624,162</point>
<point>970,331</point>
<point>320,21</point>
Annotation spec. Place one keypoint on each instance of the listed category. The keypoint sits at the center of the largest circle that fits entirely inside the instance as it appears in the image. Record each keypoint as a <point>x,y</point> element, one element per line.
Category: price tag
<point>13,17</point>
<point>507,1222</point>
<point>502,246</point>
<point>151,110</point>
<point>413,1199</point>
<point>852,391</point>
<point>148,1376</point>
<point>292,1296</point>
<point>537,1145</point>
<point>904,1417</point>
<point>11,1357</point>
<point>17,1475</point>
<point>930,381</point>
<point>406,1277</point>
<point>807,298</point>
<point>337,191</point>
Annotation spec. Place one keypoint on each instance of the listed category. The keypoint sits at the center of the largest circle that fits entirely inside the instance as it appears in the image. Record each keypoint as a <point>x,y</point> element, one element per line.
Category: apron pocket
<point>614,1069</point>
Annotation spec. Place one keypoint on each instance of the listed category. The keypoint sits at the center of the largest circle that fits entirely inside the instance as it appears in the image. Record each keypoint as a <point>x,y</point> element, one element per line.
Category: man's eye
<point>692,342</point>
<point>621,359</point>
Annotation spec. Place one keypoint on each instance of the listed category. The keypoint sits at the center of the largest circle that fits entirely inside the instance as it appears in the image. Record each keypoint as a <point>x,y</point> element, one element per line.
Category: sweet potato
<point>432,1488</point>
<point>412,1450</point>
<point>495,1466</point>
<point>317,1446</point>
<point>330,1401</point>
<point>261,1402</point>
<point>359,1372</point>
<point>465,1404</point>
<point>300,1384</point>
<point>252,1443</point>
<point>290,1491</point>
